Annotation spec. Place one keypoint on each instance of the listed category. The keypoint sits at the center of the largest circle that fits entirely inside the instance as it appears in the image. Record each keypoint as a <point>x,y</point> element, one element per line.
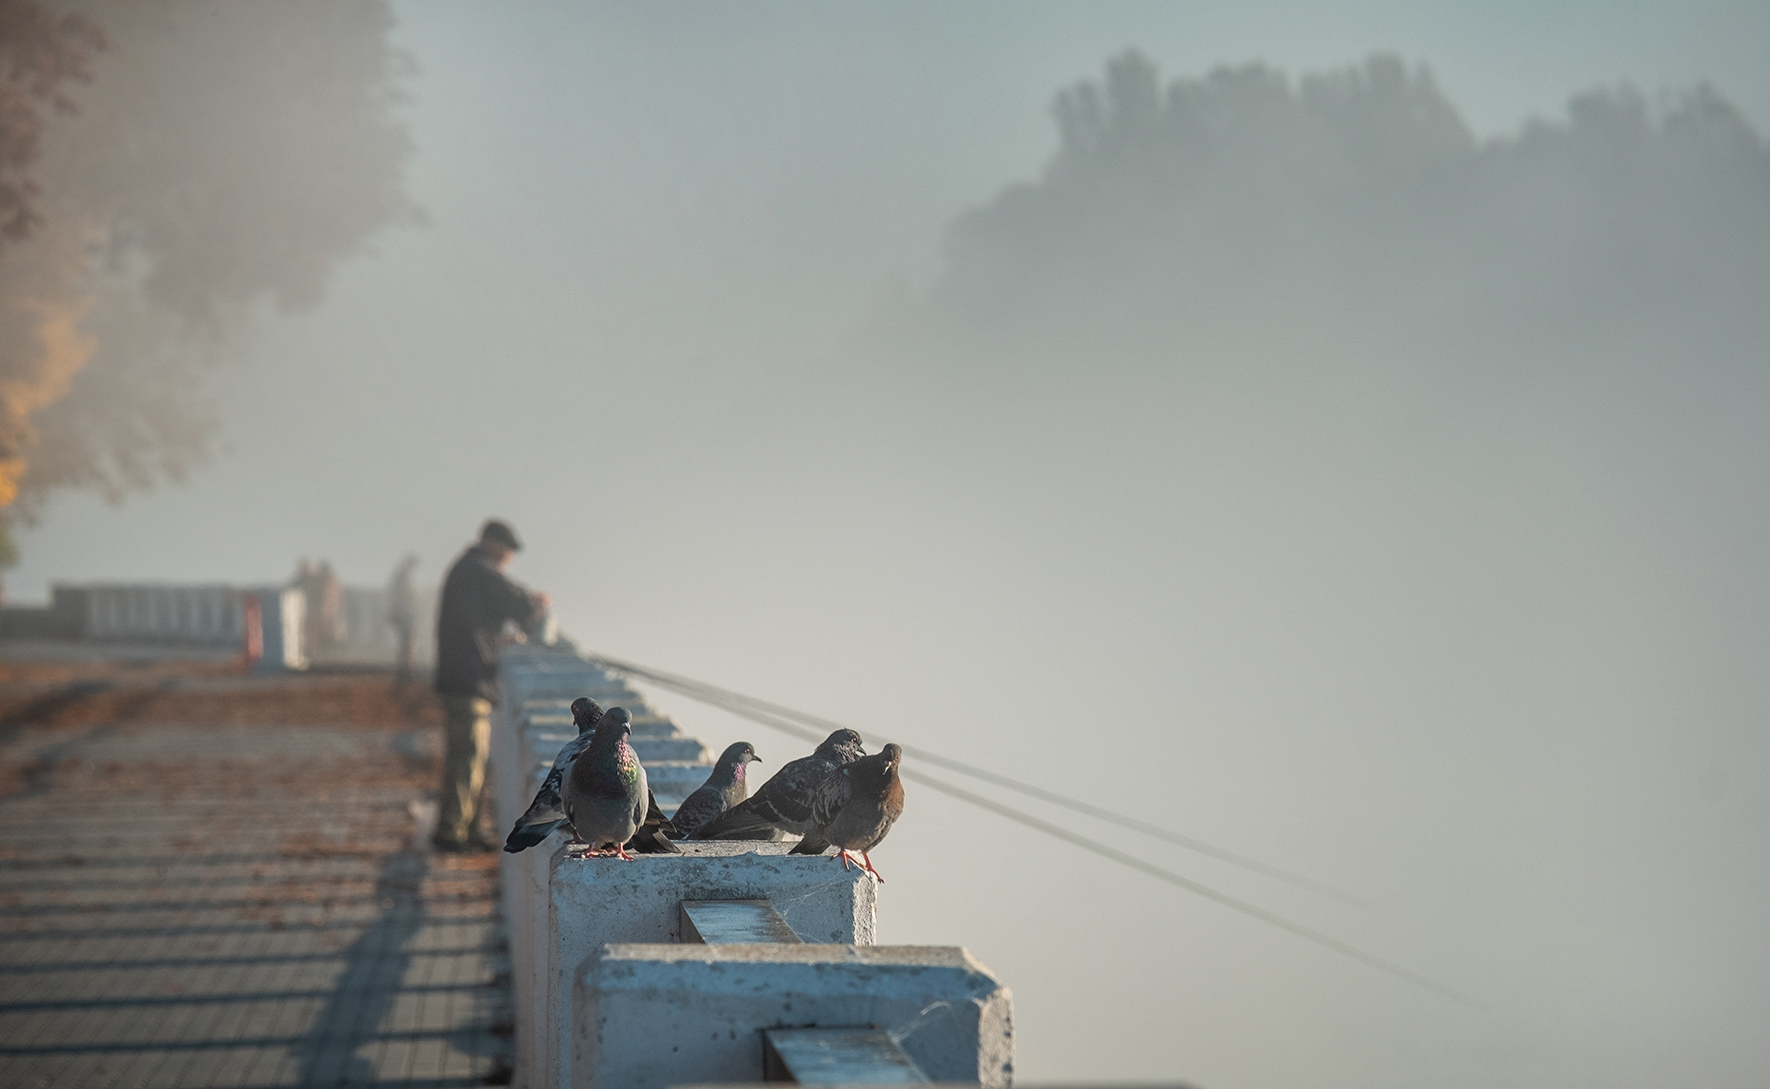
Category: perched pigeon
<point>783,804</point>
<point>605,793</point>
<point>547,812</point>
<point>722,790</point>
<point>586,712</point>
<point>854,807</point>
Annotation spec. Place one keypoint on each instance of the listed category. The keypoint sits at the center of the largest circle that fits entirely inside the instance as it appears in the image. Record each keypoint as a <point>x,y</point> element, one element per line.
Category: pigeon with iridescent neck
<point>722,790</point>
<point>547,811</point>
<point>783,804</point>
<point>605,792</point>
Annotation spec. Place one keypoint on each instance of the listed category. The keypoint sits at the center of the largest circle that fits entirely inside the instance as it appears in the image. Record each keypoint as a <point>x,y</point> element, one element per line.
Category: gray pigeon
<point>605,792</point>
<point>783,804</point>
<point>722,790</point>
<point>547,812</point>
<point>854,807</point>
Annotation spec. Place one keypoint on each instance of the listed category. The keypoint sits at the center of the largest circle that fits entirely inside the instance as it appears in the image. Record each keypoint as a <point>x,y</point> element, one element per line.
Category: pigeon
<point>547,812</point>
<point>604,792</point>
<point>854,807</point>
<point>722,790</point>
<point>783,804</point>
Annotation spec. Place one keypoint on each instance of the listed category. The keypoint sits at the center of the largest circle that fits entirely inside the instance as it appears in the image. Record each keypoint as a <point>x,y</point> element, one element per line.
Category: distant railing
<point>216,616</point>
<point>163,613</point>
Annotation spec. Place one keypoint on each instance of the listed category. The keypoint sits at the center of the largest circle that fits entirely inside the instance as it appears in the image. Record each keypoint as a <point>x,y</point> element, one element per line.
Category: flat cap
<point>496,532</point>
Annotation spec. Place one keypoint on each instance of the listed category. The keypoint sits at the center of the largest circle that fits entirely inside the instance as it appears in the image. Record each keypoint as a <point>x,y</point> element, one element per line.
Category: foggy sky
<point>1465,616</point>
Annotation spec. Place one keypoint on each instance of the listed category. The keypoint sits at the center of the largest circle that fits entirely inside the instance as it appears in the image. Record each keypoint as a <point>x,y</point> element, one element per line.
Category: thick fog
<point>183,163</point>
<point>1344,441</point>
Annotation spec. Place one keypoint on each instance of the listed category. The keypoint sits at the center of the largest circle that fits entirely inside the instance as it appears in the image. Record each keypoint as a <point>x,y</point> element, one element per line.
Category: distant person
<point>477,601</point>
<point>307,580</point>
<point>333,631</point>
<point>402,615</point>
<point>322,599</point>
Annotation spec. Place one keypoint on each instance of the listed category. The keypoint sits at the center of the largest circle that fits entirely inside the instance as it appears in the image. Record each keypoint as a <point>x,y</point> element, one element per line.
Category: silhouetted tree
<point>40,52</point>
<point>1243,207</point>
<point>219,154</point>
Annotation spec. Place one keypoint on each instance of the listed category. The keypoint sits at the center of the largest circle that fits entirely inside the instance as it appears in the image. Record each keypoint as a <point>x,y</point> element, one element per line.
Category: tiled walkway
<point>239,906</point>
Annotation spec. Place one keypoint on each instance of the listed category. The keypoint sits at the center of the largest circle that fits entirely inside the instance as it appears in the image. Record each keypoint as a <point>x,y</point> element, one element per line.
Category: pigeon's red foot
<point>869,867</point>
<point>842,853</point>
<point>622,851</point>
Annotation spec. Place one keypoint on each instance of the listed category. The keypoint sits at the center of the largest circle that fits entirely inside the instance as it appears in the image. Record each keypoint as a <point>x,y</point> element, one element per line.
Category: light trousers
<point>469,742</point>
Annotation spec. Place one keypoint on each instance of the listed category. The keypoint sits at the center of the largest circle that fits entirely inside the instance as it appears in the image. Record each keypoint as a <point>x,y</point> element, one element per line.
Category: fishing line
<point>782,718</point>
<point>713,693</point>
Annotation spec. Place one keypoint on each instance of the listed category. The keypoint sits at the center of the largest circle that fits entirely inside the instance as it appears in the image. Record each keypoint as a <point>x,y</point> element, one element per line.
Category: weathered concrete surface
<point>597,901</point>
<point>711,1002</point>
<point>520,877</point>
<point>734,922</point>
<point>827,1056</point>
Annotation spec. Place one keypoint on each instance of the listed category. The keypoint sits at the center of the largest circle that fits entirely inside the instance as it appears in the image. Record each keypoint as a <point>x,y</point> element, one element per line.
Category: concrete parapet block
<point>645,723</point>
<point>533,681</point>
<point>674,780</point>
<point>674,750</point>
<point>545,745</point>
<point>620,696</point>
<point>534,660</point>
<point>521,879</point>
<point>592,902</point>
<point>663,1015</point>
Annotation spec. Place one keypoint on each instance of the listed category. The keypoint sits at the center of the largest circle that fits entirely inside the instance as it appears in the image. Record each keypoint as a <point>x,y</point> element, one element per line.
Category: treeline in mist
<point>164,167</point>
<point>1353,213</point>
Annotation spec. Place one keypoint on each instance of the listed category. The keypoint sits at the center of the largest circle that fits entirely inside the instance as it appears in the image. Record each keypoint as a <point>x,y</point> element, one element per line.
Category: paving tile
<point>240,908</point>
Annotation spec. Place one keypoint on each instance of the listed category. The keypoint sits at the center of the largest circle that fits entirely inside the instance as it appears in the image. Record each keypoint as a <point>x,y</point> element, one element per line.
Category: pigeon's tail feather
<point>655,831</point>
<point>652,841</point>
<point>524,836</point>
<point>654,816</point>
<point>543,815</point>
<point>738,822</point>
<point>813,844</point>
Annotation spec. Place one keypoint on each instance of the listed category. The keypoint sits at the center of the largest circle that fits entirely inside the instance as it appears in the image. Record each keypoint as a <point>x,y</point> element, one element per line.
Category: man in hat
<point>477,601</point>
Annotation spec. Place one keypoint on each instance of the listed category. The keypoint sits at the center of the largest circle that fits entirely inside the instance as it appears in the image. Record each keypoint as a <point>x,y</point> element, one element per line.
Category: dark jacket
<point>476,601</point>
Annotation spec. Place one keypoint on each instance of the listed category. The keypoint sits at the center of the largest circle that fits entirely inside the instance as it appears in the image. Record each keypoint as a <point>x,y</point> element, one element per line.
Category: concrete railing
<point>729,963</point>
